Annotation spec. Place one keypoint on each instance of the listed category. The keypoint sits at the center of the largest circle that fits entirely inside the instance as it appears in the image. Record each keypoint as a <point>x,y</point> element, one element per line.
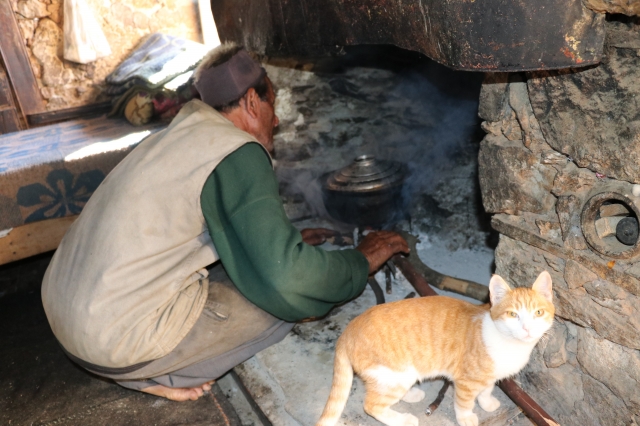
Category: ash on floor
<point>291,380</point>
<point>423,115</point>
<point>404,108</point>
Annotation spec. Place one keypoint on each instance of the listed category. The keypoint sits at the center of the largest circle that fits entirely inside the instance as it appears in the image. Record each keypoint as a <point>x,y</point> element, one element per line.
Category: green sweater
<point>263,252</point>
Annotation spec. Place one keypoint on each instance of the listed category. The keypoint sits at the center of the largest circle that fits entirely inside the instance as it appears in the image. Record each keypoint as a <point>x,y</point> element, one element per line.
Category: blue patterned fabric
<point>50,172</point>
<point>63,194</point>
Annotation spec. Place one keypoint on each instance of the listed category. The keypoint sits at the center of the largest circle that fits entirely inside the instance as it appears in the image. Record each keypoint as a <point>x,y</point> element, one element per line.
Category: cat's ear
<point>543,286</point>
<point>498,289</point>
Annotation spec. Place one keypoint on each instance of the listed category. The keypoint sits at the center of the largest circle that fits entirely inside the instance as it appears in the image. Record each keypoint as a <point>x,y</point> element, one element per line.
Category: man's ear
<point>251,103</point>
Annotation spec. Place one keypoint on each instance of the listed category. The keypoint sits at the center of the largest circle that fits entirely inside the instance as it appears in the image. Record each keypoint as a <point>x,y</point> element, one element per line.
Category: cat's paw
<point>393,418</point>
<point>467,420</point>
<point>399,419</point>
<point>489,404</point>
<point>409,420</point>
<point>413,395</point>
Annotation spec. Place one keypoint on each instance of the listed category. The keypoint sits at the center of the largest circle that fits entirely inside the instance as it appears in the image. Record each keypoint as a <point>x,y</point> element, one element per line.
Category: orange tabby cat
<point>392,346</point>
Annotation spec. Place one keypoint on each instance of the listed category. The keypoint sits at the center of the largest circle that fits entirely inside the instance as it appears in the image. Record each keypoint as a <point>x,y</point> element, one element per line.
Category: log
<point>33,238</point>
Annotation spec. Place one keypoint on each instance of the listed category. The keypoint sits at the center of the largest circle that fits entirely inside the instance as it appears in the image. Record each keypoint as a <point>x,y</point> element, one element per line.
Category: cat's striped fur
<point>394,345</point>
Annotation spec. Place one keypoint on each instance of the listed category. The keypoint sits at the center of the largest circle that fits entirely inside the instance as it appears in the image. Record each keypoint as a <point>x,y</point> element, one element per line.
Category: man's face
<point>267,119</point>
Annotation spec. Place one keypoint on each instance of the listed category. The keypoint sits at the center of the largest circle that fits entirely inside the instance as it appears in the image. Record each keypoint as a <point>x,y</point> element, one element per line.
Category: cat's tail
<point>342,379</point>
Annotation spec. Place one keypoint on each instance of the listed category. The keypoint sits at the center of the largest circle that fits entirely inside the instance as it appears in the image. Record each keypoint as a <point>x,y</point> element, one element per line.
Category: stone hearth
<point>555,140</point>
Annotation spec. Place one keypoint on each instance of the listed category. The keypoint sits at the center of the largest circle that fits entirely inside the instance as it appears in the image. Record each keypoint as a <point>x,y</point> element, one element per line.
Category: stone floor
<point>390,103</point>
<point>412,111</point>
<point>291,380</point>
<point>40,386</point>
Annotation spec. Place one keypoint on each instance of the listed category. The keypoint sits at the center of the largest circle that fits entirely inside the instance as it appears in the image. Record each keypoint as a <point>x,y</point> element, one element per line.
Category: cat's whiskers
<point>544,339</point>
<point>546,336</point>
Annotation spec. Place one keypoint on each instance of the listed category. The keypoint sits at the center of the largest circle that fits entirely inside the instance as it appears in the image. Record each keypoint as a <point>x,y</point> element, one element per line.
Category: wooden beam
<point>70,113</point>
<point>33,238</point>
<point>6,98</point>
<point>9,118</point>
<point>9,121</point>
<point>14,54</point>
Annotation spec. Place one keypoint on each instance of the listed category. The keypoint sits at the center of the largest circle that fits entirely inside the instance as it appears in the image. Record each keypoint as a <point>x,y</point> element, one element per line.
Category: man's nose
<point>276,121</point>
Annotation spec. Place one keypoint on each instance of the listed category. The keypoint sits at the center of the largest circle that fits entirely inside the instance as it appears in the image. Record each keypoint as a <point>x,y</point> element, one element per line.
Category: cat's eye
<point>513,314</point>
<point>539,312</point>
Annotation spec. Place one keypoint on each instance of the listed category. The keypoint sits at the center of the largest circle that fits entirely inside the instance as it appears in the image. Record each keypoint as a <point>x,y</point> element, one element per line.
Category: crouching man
<point>183,263</point>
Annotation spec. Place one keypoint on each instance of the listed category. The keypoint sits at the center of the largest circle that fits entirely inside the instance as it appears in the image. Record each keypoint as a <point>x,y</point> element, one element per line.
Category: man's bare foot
<point>179,394</point>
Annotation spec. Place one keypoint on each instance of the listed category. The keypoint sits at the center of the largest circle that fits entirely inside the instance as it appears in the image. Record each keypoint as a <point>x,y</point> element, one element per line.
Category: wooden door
<point>16,76</point>
<point>9,115</point>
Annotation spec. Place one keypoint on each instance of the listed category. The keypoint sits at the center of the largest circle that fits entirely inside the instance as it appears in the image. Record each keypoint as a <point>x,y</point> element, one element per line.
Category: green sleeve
<point>263,252</point>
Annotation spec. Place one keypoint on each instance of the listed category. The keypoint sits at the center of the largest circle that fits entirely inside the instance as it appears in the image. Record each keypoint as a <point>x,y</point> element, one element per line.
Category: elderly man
<point>183,263</point>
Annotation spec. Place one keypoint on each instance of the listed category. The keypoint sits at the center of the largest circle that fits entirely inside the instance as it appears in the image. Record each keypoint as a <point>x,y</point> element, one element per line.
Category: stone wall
<point>556,141</point>
<point>65,84</point>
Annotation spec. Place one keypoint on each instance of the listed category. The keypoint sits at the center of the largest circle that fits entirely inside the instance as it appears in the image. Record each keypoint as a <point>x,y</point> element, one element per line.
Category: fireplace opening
<point>418,121</point>
<point>535,167</point>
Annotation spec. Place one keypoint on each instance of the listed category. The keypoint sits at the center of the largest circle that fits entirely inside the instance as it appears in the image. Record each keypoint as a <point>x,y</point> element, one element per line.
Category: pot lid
<point>366,173</point>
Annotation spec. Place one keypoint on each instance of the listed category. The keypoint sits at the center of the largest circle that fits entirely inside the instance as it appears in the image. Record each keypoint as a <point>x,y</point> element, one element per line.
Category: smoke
<point>440,141</point>
<point>303,184</point>
<point>424,116</point>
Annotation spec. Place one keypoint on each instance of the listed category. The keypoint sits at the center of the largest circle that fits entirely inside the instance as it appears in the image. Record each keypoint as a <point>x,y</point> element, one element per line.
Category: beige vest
<point>125,285</point>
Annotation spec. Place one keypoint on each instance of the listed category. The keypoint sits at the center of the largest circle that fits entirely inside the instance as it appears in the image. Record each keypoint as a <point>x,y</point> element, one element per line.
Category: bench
<point>47,174</point>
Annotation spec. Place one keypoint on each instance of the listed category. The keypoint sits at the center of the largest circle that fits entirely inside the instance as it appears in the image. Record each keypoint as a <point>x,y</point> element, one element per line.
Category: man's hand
<point>317,236</point>
<point>378,247</point>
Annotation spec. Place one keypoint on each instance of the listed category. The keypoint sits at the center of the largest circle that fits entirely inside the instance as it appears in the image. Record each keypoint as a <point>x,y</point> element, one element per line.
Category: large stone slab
<point>590,376</point>
<point>492,96</point>
<point>512,179</point>
<point>611,311</point>
<point>600,407</point>
<point>622,274</point>
<point>613,319</point>
<point>627,7</point>
<point>593,114</point>
<point>621,371</point>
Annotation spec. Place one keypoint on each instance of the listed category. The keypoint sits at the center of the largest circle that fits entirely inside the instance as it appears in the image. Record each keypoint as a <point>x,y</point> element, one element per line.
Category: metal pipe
<point>508,386</point>
<point>377,290</point>
<point>526,403</point>
<point>417,281</point>
<point>436,403</point>
<point>443,282</point>
<point>262,417</point>
<point>387,278</point>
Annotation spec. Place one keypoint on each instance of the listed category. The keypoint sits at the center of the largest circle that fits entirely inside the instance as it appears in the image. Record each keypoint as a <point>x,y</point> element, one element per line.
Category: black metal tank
<point>367,192</point>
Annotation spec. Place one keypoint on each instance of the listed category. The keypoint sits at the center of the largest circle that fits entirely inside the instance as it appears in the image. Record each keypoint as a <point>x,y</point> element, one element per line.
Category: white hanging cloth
<point>84,40</point>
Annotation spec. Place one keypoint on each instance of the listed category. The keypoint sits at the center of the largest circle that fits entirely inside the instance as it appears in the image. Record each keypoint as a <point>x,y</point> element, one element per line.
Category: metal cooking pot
<point>368,192</point>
